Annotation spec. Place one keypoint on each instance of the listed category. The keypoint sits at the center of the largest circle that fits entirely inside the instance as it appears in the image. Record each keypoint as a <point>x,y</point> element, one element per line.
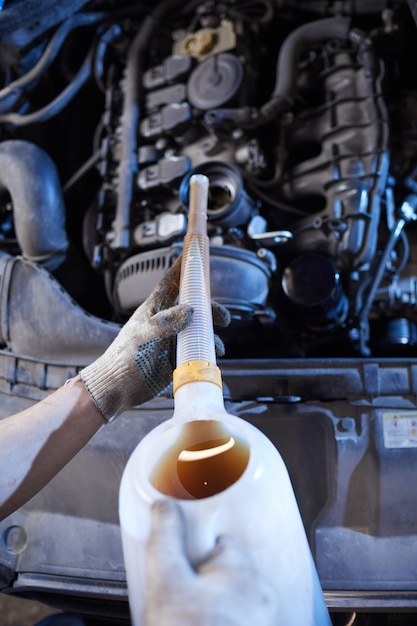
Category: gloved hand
<point>225,588</point>
<point>137,365</point>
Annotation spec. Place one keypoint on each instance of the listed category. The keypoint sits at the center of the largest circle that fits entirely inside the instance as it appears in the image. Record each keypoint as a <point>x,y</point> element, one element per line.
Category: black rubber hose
<point>57,105</point>
<point>29,175</point>
<point>130,119</point>
<point>129,122</point>
<point>48,56</point>
<point>293,47</point>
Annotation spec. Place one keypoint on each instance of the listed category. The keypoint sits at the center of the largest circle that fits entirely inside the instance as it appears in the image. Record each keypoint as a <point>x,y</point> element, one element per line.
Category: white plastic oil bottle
<point>226,475</point>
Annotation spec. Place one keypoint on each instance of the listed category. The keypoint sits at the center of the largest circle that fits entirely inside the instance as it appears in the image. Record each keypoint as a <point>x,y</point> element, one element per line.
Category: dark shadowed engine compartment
<point>301,118</point>
<point>303,115</point>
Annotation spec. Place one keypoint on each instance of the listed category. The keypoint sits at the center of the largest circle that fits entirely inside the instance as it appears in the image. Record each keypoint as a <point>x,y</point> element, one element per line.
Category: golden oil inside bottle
<point>205,459</point>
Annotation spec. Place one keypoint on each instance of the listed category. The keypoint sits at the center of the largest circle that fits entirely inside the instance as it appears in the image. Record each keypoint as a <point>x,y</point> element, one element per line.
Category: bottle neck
<point>192,396</point>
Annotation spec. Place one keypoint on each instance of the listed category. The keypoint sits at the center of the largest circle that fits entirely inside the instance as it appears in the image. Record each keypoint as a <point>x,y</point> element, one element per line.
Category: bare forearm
<point>37,442</point>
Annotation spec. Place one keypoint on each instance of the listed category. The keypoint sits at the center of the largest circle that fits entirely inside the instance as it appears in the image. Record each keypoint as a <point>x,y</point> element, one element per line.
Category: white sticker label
<point>400,429</point>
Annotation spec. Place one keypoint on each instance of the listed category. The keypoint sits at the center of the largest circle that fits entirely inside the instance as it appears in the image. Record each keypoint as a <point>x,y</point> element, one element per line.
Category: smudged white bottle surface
<point>226,475</point>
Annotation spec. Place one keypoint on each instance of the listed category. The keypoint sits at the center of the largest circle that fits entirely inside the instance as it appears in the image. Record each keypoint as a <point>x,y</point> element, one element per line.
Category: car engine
<point>301,114</point>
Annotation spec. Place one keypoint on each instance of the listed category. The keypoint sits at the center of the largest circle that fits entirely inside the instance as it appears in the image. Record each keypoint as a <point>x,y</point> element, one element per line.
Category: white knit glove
<point>138,365</point>
<point>223,590</point>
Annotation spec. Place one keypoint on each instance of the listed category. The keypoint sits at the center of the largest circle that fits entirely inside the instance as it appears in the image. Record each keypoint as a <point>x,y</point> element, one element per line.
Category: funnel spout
<point>196,343</point>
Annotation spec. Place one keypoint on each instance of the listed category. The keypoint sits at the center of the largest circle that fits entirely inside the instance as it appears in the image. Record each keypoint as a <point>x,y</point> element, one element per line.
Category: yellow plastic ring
<point>196,371</point>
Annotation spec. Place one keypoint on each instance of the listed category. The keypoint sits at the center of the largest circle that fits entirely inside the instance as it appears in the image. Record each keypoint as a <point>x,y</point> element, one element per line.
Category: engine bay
<point>300,114</point>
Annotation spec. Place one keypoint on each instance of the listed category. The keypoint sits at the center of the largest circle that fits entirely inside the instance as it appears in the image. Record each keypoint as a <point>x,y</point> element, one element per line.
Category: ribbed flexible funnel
<point>197,341</point>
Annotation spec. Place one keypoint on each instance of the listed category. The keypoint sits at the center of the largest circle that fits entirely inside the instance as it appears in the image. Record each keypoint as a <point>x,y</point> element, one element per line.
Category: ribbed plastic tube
<point>196,343</point>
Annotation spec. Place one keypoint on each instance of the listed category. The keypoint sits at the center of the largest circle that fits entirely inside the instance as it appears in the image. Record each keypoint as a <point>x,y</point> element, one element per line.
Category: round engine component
<point>396,336</point>
<point>239,279</point>
<point>312,283</point>
<point>139,274</point>
<point>215,82</point>
<point>228,204</point>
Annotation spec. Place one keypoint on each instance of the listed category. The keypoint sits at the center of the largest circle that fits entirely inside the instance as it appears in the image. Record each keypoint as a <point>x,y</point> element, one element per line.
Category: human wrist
<point>74,393</point>
<point>87,401</point>
<point>108,382</point>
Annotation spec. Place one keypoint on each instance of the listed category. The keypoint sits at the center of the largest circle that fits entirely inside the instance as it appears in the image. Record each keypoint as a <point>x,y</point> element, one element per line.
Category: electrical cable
<point>86,167</point>
<point>50,52</point>
<point>55,106</point>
